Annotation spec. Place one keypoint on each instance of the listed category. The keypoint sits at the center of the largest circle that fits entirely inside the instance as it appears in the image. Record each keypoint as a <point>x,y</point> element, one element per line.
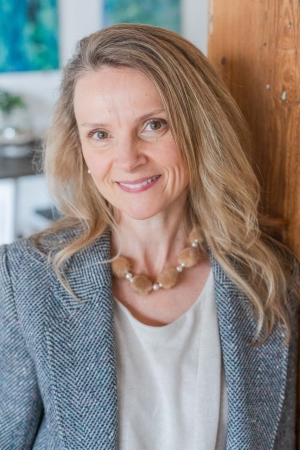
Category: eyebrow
<point>138,119</point>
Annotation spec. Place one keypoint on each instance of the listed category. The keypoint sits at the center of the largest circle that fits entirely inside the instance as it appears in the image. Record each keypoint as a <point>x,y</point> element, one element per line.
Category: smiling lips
<point>138,185</point>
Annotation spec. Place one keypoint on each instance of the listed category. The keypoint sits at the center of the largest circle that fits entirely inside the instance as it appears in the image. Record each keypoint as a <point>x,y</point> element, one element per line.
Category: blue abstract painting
<point>28,35</point>
<point>161,13</point>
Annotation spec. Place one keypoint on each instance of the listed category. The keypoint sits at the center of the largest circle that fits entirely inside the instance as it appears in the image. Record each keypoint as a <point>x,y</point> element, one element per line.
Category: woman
<point>190,341</point>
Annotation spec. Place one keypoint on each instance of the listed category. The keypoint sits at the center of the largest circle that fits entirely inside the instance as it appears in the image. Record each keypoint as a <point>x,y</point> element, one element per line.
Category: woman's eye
<point>155,125</point>
<point>99,135</point>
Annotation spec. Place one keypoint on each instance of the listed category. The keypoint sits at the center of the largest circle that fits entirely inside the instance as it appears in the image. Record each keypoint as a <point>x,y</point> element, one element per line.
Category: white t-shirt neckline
<point>171,383</point>
<point>156,329</point>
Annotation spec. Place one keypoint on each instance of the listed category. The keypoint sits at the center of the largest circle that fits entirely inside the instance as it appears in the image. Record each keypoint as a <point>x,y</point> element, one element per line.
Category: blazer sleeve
<point>286,432</point>
<point>21,407</point>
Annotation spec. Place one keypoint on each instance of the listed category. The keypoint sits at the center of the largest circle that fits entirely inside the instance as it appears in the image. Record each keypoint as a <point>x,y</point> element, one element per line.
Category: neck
<point>152,244</point>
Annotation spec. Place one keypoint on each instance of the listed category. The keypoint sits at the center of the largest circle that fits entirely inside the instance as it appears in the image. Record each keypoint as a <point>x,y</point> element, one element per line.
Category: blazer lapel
<point>81,353</point>
<point>255,377</point>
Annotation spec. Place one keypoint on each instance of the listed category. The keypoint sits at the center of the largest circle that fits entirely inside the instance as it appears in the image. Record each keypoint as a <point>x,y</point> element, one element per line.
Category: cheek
<point>99,164</point>
<point>171,159</point>
<point>169,153</point>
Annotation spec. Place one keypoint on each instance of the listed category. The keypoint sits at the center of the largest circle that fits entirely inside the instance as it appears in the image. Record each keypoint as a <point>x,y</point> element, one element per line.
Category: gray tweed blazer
<point>58,383</point>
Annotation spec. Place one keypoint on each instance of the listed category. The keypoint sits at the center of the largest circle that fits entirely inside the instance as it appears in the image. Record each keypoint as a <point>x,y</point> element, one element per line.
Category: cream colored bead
<point>141,284</point>
<point>167,278</point>
<point>189,257</point>
<point>120,267</point>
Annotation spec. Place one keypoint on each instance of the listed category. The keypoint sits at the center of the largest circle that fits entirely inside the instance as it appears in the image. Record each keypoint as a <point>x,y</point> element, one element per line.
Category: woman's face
<point>127,143</point>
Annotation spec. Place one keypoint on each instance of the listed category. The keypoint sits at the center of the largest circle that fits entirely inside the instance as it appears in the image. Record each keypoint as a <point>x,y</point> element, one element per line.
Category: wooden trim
<point>255,46</point>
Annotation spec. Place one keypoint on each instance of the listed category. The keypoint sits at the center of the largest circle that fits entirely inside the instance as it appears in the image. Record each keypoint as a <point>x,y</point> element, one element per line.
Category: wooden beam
<point>255,46</point>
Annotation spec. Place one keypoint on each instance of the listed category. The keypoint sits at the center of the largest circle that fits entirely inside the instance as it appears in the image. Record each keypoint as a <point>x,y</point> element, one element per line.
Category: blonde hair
<point>212,138</point>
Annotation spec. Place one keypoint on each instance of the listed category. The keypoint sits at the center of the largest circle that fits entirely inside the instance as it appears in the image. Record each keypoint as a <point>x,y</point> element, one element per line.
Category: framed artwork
<point>161,13</point>
<point>28,35</point>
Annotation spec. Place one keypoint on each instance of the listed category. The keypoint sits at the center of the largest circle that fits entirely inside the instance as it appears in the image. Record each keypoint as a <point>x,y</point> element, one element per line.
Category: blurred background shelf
<point>22,193</point>
<point>17,167</point>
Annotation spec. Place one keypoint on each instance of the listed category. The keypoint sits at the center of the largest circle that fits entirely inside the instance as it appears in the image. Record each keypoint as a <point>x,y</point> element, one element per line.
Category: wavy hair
<point>213,140</point>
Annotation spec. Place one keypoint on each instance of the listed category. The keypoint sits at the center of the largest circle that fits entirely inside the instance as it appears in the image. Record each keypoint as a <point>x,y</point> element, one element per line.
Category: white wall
<point>194,22</point>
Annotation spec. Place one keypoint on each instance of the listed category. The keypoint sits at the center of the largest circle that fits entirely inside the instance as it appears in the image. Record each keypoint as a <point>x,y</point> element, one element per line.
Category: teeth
<point>138,186</point>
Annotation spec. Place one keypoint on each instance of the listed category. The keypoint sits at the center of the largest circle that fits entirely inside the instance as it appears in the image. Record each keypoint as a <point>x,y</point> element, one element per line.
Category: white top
<point>171,383</point>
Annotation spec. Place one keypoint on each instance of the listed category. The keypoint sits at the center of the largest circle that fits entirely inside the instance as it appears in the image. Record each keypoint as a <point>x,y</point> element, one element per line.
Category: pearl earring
<point>88,171</point>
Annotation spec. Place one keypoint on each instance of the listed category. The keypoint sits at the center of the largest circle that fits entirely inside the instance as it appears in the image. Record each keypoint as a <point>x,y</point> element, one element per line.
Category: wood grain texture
<point>255,46</point>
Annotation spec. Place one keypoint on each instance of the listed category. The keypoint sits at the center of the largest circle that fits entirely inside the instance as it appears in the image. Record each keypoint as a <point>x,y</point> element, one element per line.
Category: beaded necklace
<point>167,279</point>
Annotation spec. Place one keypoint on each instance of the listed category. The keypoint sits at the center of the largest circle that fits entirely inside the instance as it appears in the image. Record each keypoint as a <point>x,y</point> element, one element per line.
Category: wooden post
<point>255,45</point>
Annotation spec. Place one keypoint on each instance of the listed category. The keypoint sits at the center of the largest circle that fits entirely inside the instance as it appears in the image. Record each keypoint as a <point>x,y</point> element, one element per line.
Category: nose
<point>129,155</point>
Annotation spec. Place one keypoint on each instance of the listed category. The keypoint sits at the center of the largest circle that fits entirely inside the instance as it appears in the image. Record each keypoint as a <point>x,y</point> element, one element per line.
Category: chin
<point>141,213</point>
